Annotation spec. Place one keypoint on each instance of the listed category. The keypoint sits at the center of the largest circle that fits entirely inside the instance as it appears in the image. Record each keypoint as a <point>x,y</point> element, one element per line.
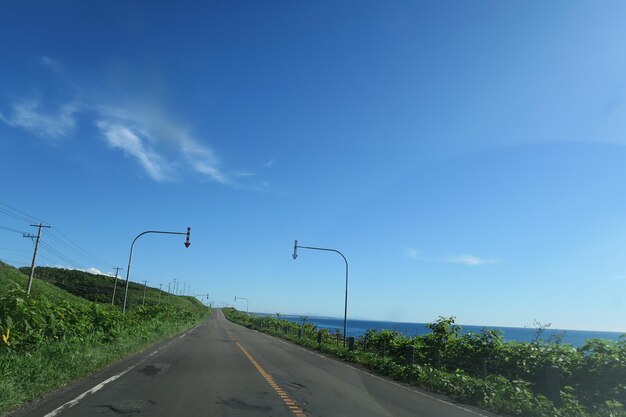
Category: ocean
<point>357,328</point>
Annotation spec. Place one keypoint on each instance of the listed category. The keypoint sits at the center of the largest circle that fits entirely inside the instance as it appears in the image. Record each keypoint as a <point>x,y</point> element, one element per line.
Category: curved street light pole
<point>130,256</point>
<point>241,298</point>
<point>345,309</point>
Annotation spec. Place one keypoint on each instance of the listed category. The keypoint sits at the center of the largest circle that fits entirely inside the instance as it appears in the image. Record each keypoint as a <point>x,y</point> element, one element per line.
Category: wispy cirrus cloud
<point>166,144</point>
<point>467,259</point>
<point>121,137</point>
<point>464,258</point>
<point>52,123</point>
<point>163,147</point>
<point>413,253</point>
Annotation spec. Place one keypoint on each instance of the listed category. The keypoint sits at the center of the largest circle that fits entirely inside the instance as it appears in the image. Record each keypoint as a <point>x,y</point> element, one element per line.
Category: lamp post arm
<point>247,304</point>
<point>345,311</point>
<point>130,258</point>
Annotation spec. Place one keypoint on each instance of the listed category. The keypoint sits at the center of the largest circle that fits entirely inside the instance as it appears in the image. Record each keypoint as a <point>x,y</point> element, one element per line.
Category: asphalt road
<point>223,369</point>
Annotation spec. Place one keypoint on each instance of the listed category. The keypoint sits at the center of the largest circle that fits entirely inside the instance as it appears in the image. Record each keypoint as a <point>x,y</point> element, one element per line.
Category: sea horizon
<point>358,327</point>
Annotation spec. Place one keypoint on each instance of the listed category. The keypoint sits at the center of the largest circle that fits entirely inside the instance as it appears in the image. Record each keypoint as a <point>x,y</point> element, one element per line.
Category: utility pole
<point>160,286</point>
<point>32,266</point>
<point>117,269</point>
<point>145,285</point>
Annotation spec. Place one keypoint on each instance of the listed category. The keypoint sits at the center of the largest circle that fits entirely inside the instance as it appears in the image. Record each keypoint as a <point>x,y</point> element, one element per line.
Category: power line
<point>15,216</point>
<point>48,259</point>
<point>13,261</point>
<point>30,218</point>
<point>14,250</point>
<point>10,229</point>
<point>103,262</point>
<point>73,250</point>
<point>61,256</point>
<point>72,246</point>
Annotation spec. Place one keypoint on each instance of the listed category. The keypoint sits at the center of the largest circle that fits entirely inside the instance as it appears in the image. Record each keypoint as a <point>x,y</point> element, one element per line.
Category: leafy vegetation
<point>10,277</point>
<point>99,288</point>
<point>51,337</point>
<point>479,369</point>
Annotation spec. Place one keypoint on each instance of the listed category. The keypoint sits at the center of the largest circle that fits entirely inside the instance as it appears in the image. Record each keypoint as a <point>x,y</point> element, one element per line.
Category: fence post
<point>410,355</point>
<point>484,367</point>
<point>299,333</point>
<point>319,338</point>
<point>350,343</point>
<point>553,384</point>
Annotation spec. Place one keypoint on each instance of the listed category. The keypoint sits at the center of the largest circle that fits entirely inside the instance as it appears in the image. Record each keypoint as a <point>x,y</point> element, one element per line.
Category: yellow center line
<point>298,412</point>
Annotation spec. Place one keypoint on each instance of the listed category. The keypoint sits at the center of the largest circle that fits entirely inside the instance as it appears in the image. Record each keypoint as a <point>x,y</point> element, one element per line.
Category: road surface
<point>222,369</point>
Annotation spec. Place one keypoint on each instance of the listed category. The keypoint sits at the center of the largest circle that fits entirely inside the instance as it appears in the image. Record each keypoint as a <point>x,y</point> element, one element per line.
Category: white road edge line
<point>370,374</point>
<point>98,387</point>
<point>189,331</point>
<point>72,403</point>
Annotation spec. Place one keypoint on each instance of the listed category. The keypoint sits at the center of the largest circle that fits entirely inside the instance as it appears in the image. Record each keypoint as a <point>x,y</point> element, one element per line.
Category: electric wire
<point>10,229</point>
<point>60,255</point>
<point>86,253</point>
<point>15,216</point>
<point>28,216</point>
<point>58,236</point>
<point>82,254</point>
<point>13,261</point>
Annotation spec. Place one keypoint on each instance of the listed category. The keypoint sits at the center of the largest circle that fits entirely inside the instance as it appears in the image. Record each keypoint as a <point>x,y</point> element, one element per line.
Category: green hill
<point>9,277</point>
<point>58,283</point>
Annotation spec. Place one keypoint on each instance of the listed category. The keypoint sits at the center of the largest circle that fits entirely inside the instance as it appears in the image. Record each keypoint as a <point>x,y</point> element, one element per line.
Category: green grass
<point>99,288</point>
<point>10,277</point>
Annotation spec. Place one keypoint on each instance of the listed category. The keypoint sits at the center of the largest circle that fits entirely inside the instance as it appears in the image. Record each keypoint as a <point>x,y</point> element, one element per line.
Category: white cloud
<point>163,147</point>
<point>183,150</point>
<point>201,158</point>
<point>468,259</point>
<point>123,138</point>
<point>264,186</point>
<point>55,124</point>
<point>96,271</point>
<point>413,253</point>
<point>243,174</point>
<point>92,270</point>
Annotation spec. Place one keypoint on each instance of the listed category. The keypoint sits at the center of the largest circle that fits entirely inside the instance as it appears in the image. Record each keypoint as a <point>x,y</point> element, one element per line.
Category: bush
<point>29,321</point>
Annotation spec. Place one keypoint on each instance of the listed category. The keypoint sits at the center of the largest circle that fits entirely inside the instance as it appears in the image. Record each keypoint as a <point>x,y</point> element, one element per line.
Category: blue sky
<point>468,158</point>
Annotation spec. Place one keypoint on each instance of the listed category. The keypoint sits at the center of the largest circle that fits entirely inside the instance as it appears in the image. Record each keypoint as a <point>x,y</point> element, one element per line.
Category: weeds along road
<point>222,369</point>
